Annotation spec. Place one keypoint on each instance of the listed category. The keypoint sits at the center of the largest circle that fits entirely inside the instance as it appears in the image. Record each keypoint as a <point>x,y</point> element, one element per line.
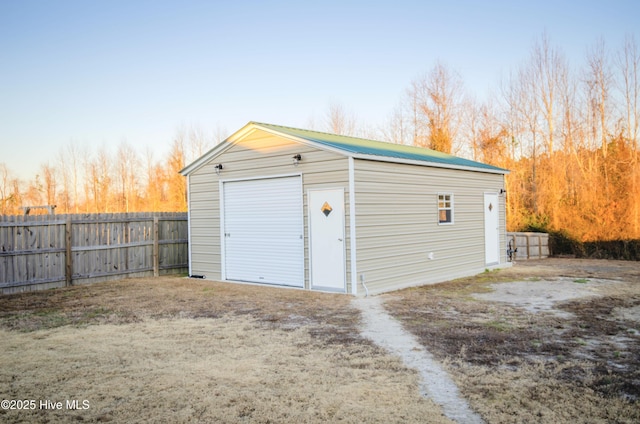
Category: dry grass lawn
<point>183,350</point>
<point>517,366</point>
<point>177,350</point>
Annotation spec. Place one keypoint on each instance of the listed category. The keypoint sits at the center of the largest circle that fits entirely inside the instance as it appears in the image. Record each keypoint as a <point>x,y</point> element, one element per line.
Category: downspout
<point>352,229</point>
<point>366,290</point>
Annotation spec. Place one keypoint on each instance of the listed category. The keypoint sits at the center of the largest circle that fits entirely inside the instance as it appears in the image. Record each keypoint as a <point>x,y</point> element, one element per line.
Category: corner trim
<point>352,227</point>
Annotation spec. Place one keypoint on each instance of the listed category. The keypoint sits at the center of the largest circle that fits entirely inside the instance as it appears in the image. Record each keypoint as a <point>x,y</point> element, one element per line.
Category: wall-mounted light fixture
<point>218,168</point>
<point>503,191</point>
<point>296,159</point>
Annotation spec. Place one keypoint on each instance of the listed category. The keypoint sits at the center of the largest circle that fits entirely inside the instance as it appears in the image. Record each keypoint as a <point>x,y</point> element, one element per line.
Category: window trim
<point>450,208</point>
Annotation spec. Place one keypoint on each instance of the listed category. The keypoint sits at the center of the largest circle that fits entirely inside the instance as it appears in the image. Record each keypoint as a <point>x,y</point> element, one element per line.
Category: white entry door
<point>491,229</point>
<point>262,232</point>
<point>326,239</point>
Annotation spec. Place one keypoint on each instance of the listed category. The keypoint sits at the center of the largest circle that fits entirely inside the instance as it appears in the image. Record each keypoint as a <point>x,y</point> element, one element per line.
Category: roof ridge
<point>340,135</point>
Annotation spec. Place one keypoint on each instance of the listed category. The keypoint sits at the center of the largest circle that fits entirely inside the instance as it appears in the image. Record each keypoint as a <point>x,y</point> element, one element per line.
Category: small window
<point>445,208</point>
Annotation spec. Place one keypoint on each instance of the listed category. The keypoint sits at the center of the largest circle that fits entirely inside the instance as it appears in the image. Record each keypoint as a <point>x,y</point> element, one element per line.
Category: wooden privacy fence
<point>45,251</point>
<point>530,245</point>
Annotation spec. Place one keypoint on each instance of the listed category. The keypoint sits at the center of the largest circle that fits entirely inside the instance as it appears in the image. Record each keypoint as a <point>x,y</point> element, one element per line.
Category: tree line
<point>569,136</point>
<point>82,181</point>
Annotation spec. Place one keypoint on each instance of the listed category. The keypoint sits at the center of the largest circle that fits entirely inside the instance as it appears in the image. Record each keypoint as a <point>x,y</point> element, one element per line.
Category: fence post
<point>126,239</point>
<point>539,247</point>
<point>68,259</point>
<point>156,248</point>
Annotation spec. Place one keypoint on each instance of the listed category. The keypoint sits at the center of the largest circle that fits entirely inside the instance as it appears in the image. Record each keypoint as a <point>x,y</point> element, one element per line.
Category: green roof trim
<point>361,146</point>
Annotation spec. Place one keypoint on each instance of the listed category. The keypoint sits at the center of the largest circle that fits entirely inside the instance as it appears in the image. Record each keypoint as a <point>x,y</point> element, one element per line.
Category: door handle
<point>339,239</point>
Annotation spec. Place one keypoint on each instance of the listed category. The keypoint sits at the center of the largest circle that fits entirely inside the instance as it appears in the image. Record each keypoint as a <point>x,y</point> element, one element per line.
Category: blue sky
<point>99,72</point>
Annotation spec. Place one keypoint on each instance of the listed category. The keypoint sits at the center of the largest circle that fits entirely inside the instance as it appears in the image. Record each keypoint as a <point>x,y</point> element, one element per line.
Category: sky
<point>100,72</point>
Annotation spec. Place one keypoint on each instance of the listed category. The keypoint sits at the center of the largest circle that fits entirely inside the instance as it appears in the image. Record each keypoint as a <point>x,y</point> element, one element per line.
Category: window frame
<point>450,208</point>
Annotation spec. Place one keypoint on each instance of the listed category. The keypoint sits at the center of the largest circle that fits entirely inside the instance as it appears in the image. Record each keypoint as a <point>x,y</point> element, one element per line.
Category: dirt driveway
<point>181,350</point>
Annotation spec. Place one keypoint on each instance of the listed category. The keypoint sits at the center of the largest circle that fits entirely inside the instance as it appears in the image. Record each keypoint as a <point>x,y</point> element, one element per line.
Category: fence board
<point>51,251</point>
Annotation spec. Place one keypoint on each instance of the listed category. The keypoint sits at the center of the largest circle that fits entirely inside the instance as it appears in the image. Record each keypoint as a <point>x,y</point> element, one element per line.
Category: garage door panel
<point>263,231</point>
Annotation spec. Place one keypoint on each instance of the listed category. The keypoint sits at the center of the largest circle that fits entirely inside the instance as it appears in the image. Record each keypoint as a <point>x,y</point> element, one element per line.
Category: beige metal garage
<point>292,207</point>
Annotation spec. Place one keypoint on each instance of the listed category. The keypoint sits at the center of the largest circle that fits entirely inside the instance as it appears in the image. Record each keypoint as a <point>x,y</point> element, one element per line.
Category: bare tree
<point>16,196</point>
<point>6,195</point>
<point>510,99</point>
<point>176,183</point>
<point>417,125</point>
<point>548,73</point>
<point>434,103</point>
<point>442,108</point>
<point>478,122</point>
<point>50,183</point>
<point>628,63</point>
<point>33,195</point>
<point>155,182</point>
<point>340,121</point>
<point>492,136</point>
<point>127,165</point>
<point>65,174</point>
<point>528,117</point>
<point>396,129</point>
<point>70,159</point>
<point>219,135</point>
<point>98,182</point>
<point>598,78</point>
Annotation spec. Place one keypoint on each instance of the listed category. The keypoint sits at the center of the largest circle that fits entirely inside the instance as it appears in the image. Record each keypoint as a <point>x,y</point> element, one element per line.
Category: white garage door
<point>263,231</point>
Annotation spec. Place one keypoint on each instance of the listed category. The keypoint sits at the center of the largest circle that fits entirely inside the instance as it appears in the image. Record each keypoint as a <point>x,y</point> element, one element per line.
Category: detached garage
<point>290,207</point>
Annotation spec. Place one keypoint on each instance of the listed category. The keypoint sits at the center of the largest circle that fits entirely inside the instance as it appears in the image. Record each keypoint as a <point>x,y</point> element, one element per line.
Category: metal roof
<point>359,147</point>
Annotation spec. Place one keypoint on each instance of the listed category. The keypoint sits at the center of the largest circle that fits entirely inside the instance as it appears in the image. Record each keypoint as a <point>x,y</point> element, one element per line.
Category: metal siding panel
<point>204,221</point>
<point>397,223</point>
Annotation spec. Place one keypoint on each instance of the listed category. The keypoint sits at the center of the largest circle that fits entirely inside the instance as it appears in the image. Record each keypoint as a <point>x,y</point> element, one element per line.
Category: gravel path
<point>435,383</point>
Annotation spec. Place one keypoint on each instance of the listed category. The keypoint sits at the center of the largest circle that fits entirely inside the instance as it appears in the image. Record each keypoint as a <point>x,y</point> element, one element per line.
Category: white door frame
<point>340,270</point>
<point>491,228</point>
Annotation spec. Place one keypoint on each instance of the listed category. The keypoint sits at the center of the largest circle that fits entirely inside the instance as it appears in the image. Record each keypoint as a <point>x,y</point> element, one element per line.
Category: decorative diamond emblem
<point>490,207</point>
<point>326,209</point>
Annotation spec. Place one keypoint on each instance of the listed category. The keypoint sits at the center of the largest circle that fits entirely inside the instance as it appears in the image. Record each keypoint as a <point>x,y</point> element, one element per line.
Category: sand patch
<point>629,314</point>
<point>546,295</point>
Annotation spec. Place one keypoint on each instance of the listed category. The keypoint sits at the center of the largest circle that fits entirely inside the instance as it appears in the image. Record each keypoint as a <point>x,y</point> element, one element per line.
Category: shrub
<point>560,243</point>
